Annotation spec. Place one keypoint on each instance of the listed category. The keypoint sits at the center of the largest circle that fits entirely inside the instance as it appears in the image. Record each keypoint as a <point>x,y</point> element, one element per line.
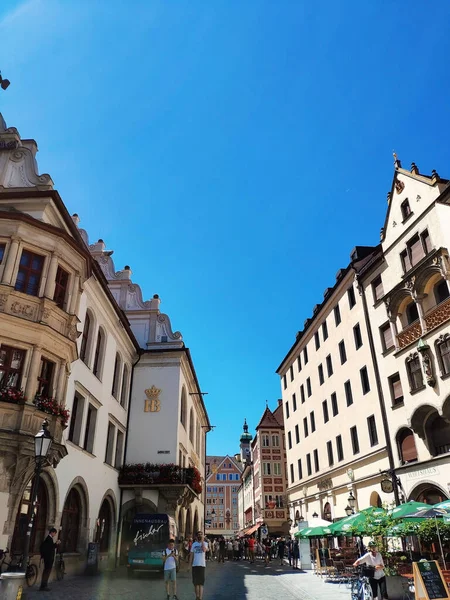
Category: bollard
<point>12,586</point>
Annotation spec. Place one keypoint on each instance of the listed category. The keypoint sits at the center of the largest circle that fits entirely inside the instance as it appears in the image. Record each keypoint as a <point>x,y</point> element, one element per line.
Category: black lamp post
<point>350,509</point>
<point>42,442</point>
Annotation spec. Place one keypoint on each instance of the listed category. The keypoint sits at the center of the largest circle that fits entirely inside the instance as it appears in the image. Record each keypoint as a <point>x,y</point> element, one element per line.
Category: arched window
<point>99,353</point>
<point>443,353</point>
<point>406,446</point>
<point>85,338</point>
<point>191,426</point>
<point>23,516</point>
<point>440,291</point>
<point>327,512</point>
<point>116,378</point>
<point>412,314</point>
<point>70,522</point>
<point>183,408</point>
<point>437,432</point>
<point>124,392</point>
<point>104,522</point>
<point>197,439</point>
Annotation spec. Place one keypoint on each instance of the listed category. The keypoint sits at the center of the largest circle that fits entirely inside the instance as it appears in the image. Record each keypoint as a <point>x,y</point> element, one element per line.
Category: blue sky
<point>232,153</point>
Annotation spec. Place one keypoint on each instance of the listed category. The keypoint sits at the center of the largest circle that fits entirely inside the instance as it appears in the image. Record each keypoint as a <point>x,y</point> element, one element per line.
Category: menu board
<point>429,582</point>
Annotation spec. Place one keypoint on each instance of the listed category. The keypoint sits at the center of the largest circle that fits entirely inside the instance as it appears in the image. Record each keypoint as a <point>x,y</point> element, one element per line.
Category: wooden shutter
<point>426,242</point>
<point>406,262</point>
<point>387,337</point>
<point>378,288</point>
<point>397,390</point>
<point>408,448</point>
<point>416,250</point>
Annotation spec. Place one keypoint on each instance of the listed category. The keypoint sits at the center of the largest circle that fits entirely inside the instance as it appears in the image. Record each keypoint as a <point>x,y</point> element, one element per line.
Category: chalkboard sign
<point>429,582</point>
<point>92,558</point>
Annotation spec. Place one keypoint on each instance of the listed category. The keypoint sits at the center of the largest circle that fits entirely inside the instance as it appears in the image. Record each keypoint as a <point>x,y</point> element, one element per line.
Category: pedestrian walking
<point>198,560</point>
<point>295,554</point>
<point>289,551</point>
<point>280,550</point>
<point>251,550</point>
<point>170,560</point>
<point>47,549</point>
<point>222,549</point>
<point>230,550</point>
<point>236,550</point>
<point>267,547</point>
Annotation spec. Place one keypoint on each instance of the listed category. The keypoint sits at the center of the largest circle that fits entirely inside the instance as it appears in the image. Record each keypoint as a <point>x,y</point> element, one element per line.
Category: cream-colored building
<point>407,287</point>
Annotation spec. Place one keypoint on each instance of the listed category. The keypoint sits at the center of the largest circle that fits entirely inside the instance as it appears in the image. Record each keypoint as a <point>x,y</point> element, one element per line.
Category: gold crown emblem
<point>152,393</point>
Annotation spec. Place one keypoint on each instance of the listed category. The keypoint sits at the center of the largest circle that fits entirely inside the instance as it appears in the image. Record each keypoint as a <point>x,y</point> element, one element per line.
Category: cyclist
<point>374,559</point>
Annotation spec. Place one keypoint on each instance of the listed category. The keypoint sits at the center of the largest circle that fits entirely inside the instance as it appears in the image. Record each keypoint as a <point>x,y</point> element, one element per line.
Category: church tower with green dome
<point>246,439</point>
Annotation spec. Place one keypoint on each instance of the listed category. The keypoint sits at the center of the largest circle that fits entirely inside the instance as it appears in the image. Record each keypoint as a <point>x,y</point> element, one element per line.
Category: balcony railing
<point>434,318</point>
<point>152,474</point>
<point>409,335</point>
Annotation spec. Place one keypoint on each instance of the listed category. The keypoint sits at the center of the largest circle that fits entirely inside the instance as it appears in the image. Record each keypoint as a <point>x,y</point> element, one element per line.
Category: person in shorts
<point>170,557</point>
<point>198,559</point>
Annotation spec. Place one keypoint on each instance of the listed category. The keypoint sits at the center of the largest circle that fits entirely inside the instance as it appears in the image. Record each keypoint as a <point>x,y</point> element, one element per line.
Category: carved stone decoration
<point>399,186</point>
<point>3,301</point>
<point>427,363</point>
<point>325,484</point>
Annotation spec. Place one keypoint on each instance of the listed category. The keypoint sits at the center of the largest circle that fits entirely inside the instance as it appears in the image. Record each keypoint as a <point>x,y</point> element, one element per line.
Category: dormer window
<point>406,209</point>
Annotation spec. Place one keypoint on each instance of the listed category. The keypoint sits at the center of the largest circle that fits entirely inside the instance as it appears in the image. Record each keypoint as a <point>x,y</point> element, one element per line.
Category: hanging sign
<point>387,486</point>
<point>429,582</point>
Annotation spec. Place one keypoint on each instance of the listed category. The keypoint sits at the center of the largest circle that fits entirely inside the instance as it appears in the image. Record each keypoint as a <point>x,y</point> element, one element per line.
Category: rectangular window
<point>30,272</point>
<point>297,435</point>
<point>45,378</point>
<point>329,366</point>
<point>2,252</point>
<point>110,444</point>
<point>406,261</point>
<point>324,330</point>
<point>348,393</point>
<point>316,460</point>
<point>305,356</point>
<point>308,464</point>
<point>354,438</point>
<point>330,454</point>
<point>334,404</point>
<point>284,382</point>
<point>302,393</point>
<point>387,340</point>
<point>275,441</point>
<point>289,440</point>
<point>312,421</point>
<point>308,387</point>
<point>342,352</point>
<point>89,432</point>
<point>76,419</point>
<point>377,289</point>
<point>119,450</point>
<point>373,434</point>
<point>61,283</point>
<point>321,376</point>
<point>292,472</point>
<point>305,427</point>
<point>351,297</point>
<point>326,417</point>
<point>277,468</point>
<point>291,372</point>
<point>317,340</point>
<point>414,370</point>
<point>337,315</point>
<point>265,440</point>
<point>11,365</point>
<point>357,336</point>
<point>299,469</point>
<point>444,356</point>
<point>415,250</point>
<point>426,242</point>
<point>294,402</point>
<point>287,409</point>
<point>267,469</point>
<point>395,385</point>
<point>299,363</point>
<point>364,380</point>
<point>339,448</point>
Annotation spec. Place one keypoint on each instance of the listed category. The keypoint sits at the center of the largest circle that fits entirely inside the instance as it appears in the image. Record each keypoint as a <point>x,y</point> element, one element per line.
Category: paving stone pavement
<point>236,581</point>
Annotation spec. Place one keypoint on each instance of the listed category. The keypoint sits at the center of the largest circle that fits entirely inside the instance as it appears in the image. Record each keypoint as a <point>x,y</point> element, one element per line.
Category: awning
<point>252,529</point>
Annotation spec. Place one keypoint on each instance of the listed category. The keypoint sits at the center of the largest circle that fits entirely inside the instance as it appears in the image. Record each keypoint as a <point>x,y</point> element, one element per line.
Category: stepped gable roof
<point>268,421</point>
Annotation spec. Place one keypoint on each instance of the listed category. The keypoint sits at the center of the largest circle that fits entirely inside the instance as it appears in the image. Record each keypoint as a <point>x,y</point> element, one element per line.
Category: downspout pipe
<point>119,518</point>
<point>382,403</point>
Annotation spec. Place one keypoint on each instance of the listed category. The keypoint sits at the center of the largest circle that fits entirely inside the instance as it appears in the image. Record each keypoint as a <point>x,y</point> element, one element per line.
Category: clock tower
<point>246,438</point>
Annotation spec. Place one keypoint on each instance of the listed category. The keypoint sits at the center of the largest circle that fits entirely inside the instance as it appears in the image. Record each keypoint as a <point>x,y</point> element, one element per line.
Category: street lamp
<point>42,442</point>
<point>315,515</point>
<point>350,508</point>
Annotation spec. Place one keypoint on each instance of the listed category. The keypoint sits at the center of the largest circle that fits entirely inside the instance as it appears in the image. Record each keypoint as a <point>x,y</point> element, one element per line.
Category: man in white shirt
<point>374,559</point>
<point>170,557</point>
<point>198,561</point>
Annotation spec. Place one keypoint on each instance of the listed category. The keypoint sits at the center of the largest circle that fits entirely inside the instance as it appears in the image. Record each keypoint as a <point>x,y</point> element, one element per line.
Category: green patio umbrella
<point>358,524</point>
<point>406,509</point>
<point>445,505</point>
<point>311,532</point>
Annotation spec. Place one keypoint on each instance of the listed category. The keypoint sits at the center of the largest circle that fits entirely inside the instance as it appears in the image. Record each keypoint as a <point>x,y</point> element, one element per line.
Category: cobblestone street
<point>239,581</point>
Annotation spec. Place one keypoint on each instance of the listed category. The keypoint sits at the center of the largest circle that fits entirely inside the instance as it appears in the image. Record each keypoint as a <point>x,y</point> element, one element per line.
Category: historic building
<point>79,347</point>
<point>223,479</point>
<point>406,285</point>
<point>365,383</point>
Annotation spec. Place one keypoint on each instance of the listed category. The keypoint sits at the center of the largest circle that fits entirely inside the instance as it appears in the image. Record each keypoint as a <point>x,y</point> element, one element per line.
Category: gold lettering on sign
<point>152,403</point>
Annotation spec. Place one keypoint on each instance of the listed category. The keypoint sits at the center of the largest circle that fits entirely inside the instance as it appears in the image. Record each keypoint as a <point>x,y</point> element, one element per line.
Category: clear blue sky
<point>232,153</point>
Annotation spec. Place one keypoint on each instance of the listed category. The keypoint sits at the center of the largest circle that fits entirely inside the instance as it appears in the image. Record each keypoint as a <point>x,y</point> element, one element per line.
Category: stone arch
<point>398,300</point>
<point>129,510</point>
<point>428,490</point>
<point>188,523</point>
<point>406,445</point>
<point>105,529</point>
<point>327,513</point>
<point>80,487</point>
<point>195,525</point>
<point>419,418</point>
<point>375,500</point>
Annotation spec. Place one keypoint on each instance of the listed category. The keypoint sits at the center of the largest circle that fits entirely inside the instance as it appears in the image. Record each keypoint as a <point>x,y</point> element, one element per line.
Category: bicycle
<point>15,565</point>
<point>60,567</point>
<point>360,587</point>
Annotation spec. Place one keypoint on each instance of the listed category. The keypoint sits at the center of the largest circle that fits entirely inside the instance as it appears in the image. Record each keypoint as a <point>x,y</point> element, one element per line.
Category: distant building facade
<point>223,479</point>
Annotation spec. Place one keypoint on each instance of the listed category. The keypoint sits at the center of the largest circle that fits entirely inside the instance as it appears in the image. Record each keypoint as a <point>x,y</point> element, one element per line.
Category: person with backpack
<point>170,560</point>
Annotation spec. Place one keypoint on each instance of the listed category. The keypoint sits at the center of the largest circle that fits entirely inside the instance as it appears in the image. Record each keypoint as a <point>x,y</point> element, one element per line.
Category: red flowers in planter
<point>153,473</point>
<point>52,407</point>
<point>12,394</point>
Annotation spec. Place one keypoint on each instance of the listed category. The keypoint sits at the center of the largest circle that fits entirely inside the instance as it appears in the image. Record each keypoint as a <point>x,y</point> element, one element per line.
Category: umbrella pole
<point>440,542</point>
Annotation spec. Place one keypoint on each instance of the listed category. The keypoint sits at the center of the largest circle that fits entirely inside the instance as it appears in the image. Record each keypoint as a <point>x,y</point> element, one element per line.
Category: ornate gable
<point>268,420</point>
